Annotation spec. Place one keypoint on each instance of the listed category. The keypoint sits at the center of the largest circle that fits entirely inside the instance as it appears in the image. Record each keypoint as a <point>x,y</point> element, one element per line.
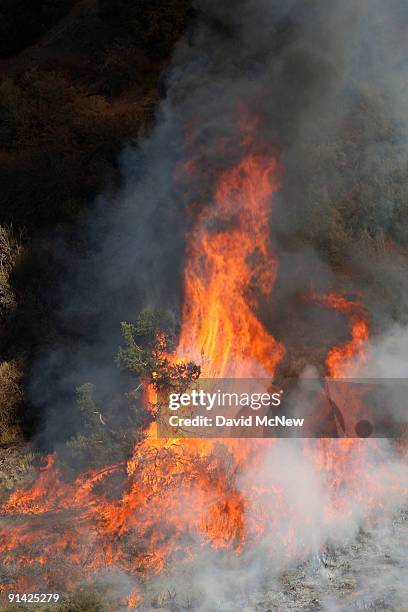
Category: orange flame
<point>180,494</point>
<point>342,360</point>
<point>133,599</point>
<point>229,255</point>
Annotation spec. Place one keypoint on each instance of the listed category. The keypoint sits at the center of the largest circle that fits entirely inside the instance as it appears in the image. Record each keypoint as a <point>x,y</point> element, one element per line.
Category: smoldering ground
<point>303,561</point>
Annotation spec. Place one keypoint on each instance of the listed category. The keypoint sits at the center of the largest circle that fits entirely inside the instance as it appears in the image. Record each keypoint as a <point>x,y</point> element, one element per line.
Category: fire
<point>229,256</point>
<point>133,599</point>
<point>342,360</point>
<point>180,494</point>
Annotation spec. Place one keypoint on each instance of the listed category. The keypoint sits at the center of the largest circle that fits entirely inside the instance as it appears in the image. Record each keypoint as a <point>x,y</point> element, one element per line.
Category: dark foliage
<point>349,184</point>
<point>62,127</point>
<point>22,22</point>
<point>59,144</point>
<point>154,25</point>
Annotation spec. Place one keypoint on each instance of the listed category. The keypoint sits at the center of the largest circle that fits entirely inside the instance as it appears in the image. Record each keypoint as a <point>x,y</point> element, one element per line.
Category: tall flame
<point>179,494</point>
<point>229,257</point>
<point>341,361</point>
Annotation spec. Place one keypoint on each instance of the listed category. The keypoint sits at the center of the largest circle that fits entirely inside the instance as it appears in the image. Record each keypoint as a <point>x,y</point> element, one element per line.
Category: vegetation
<point>10,371</point>
<point>107,434</point>
<point>63,124</point>
<point>146,353</point>
<point>64,118</point>
<point>17,466</point>
<point>10,397</point>
<point>60,146</point>
<point>155,24</point>
<point>23,21</point>
<point>11,249</point>
<point>98,442</point>
<point>84,600</point>
<point>352,194</point>
<point>65,115</point>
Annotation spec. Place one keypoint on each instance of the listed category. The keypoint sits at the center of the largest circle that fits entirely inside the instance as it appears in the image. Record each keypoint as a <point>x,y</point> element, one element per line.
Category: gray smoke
<point>327,83</point>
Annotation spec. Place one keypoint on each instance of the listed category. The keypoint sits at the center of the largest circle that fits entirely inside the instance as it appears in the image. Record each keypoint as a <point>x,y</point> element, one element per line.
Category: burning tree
<point>179,496</point>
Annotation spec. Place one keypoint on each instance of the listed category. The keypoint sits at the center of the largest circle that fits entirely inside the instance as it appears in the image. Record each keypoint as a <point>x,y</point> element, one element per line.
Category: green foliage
<point>99,440</point>
<point>107,435</point>
<point>155,25</point>
<point>90,412</point>
<point>349,185</point>
<point>146,354</point>
<point>142,344</point>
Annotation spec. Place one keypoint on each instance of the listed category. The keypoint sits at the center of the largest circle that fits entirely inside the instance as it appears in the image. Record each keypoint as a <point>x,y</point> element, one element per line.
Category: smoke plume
<point>323,86</point>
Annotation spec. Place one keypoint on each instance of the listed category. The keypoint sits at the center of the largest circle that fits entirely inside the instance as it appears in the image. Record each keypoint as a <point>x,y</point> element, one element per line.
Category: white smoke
<point>293,65</point>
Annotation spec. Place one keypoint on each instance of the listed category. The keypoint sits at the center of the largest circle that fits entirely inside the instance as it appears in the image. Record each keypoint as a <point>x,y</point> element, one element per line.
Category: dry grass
<point>17,467</point>
<point>10,397</point>
<point>81,601</point>
<point>10,249</point>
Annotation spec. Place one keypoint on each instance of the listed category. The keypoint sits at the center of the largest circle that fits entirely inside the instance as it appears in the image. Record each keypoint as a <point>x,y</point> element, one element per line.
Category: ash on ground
<point>370,574</point>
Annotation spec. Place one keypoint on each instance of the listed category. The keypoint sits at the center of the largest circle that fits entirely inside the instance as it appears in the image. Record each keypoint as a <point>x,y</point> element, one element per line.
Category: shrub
<point>106,434</point>
<point>60,146</point>
<point>23,21</point>
<point>100,441</point>
<point>10,397</point>
<point>349,185</point>
<point>17,467</point>
<point>148,343</point>
<point>83,600</point>
<point>10,249</point>
<point>154,25</point>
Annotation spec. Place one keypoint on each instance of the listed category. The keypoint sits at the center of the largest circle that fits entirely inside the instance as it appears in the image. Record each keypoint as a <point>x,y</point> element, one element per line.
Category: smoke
<point>296,71</point>
<point>301,69</point>
<point>311,553</point>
